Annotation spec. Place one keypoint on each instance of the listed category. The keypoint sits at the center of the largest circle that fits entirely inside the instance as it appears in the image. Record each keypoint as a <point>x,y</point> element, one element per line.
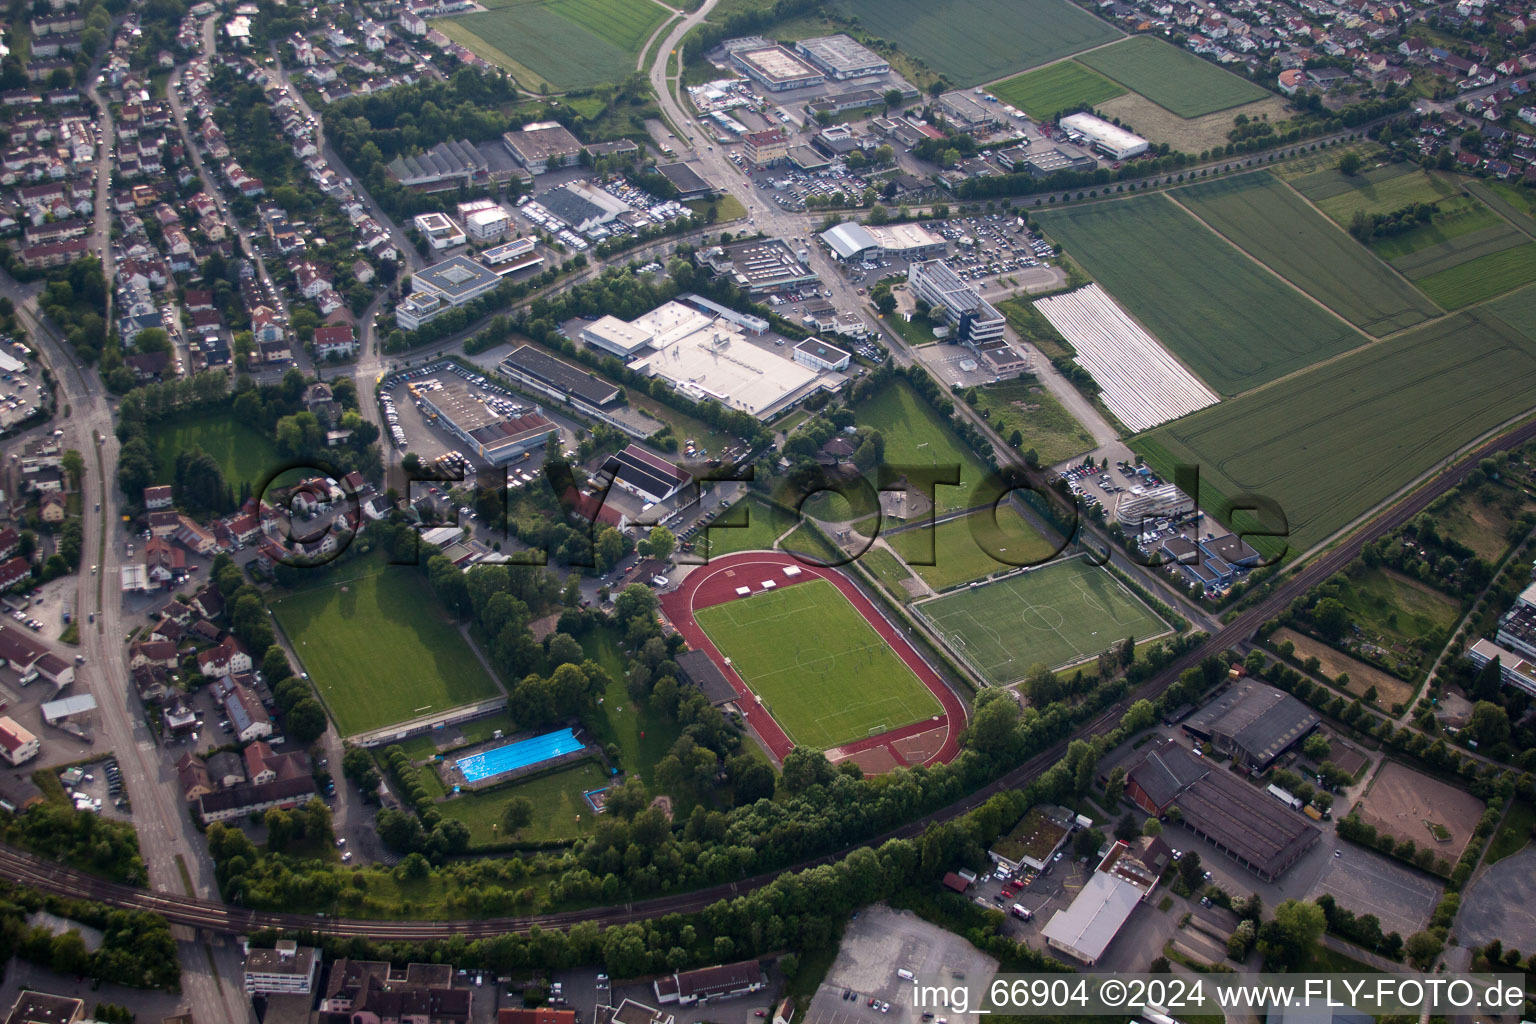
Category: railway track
<point>48,876</point>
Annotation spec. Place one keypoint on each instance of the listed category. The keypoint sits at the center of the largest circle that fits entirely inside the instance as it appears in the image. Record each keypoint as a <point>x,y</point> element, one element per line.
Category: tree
<point>1350,163</point>
<point>305,721</point>
<point>1316,747</point>
<point>892,99</point>
<point>1422,948</point>
<point>1489,724</point>
<point>659,543</point>
<point>1125,828</point>
<point>1331,618</point>
<point>1287,942</point>
<point>1152,827</point>
<point>564,650</point>
<point>1191,871</point>
<point>274,666</point>
<point>1114,787</point>
<point>517,815</point>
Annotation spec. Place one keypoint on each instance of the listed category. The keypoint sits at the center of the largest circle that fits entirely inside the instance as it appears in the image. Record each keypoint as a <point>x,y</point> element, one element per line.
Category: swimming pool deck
<point>453,776</point>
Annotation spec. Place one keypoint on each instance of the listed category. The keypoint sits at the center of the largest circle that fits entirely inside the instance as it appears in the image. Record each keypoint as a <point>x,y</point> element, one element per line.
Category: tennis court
<point>1054,615</point>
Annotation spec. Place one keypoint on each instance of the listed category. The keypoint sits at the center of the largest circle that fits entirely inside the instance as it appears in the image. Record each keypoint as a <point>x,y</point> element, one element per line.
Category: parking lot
<point>98,787</point>
<point>987,246</point>
<point>21,388</point>
<point>880,942</point>
<point>1367,883</point>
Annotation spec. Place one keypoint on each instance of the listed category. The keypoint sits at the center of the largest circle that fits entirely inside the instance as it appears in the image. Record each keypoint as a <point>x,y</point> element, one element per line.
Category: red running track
<point>717,582</point>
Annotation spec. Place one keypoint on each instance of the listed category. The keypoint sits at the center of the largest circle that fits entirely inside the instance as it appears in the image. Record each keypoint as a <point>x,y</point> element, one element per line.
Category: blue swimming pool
<point>500,760</point>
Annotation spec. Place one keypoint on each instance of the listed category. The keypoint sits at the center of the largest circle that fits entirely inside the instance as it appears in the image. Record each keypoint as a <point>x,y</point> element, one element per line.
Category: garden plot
<point>1140,381</point>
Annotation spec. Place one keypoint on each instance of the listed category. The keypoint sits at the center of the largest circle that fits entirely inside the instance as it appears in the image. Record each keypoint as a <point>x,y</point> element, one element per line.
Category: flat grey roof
<point>457,276</point>
<point>561,375</point>
<point>1259,719</point>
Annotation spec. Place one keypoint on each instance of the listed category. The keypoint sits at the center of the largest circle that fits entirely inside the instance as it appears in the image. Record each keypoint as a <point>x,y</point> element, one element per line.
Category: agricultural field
<point>1174,79</point>
<point>1512,202</point>
<point>971,547</point>
<point>1047,91</point>
<point>1264,218</point>
<point>914,435</point>
<point>379,647</point>
<point>1060,613</point>
<point>570,44</point>
<point>1455,218</point>
<point>1229,321</point>
<point>1379,190</point>
<point>975,41</point>
<point>822,671</point>
<point>244,453</point>
<point>1518,310</point>
<point>1023,404</point>
<point>1188,134</point>
<point>1355,432</point>
<point>1482,278</point>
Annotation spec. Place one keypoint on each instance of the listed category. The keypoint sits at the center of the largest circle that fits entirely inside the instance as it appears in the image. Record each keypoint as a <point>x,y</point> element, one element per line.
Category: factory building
<point>1111,140</point>
<point>542,145</point>
<point>494,438</point>
<point>776,69</point>
<point>840,57</point>
<point>442,286</point>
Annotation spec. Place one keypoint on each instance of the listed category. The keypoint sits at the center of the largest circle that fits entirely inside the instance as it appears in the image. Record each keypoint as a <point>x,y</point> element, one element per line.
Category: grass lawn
<point>569,43</point>
<point>807,541</point>
<point>752,524</point>
<point>971,547</point>
<point>1379,190</point>
<point>917,331</point>
<point>1027,322</point>
<point>1230,321</point>
<point>644,736</point>
<point>1059,613</point>
<point>1047,91</point>
<point>559,809</point>
<point>888,570</point>
<point>1264,218</point>
<point>1355,431</point>
<point>975,41</point>
<point>245,454</point>
<point>727,208</point>
<point>1482,278</point>
<point>1396,606</point>
<point>1024,404</point>
<point>379,647</point>
<point>1174,79</point>
<point>419,748</point>
<point>914,435</point>
<point>824,673</point>
<point>1514,833</point>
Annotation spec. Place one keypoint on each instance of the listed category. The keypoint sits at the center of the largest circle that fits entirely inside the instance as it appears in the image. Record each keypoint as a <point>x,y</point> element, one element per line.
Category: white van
<point>906,975</point>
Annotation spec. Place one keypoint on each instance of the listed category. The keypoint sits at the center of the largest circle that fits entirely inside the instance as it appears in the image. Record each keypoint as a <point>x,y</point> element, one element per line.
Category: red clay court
<point>931,741</point>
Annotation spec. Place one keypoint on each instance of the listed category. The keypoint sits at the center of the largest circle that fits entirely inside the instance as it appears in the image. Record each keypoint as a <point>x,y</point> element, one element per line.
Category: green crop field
<point>824,673</point>
<point>1454,217</point>
<point>1260,215</point>
<point>1057,614</point>
<point>1518,310</point>
<point>1174,79</point>
<point>1453,252</point>
<point>915,436</point>
<point>1379,190</point>
<point>1023,404</point>
<point>571,44</point>
<point>1230,321</point>
<point>975,41</point>
<point>244,453</point>
<point>1482,278</point>
<point>1049,90</point>
<point>971,547</point>
<point>1330,445</point>
<point>379,647</point>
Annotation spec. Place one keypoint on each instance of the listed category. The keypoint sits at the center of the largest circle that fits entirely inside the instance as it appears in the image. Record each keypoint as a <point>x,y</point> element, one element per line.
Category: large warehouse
<point>557,378</point>
<point>494,438</point>
<point>543,145</point>
<point>776,69</point>
<point>1111,140</point>
<point>1253,723</point>
<point>841,57</point>
<point>759,266</point>
<point>646,476</point>
<point>707,357</point>
<point>853,241</point>
<point>1245,823</point>
<point>581,206</point>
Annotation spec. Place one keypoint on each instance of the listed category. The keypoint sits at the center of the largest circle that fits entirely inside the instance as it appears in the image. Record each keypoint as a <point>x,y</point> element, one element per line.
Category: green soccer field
<point>822,671</point>
<point>379,647</point>
<point>1054,615</point>
<point>1047,91</point>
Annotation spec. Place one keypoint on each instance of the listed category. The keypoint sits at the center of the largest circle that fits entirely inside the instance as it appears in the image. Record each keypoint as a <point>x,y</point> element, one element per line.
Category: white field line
<point>1141,382</point>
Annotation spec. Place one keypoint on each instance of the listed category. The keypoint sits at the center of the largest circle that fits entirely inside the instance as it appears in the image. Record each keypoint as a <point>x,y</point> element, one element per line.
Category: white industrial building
<point>440,287</point>
<point>485,220</point>
<point>854,241</point>
<point>975,319</point>
<point>1111,140</point>
<point>616,337</point>
<point>1090,923</point>
<point>841,57</point>
<point>818,355</point>
<point>439,230</point>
